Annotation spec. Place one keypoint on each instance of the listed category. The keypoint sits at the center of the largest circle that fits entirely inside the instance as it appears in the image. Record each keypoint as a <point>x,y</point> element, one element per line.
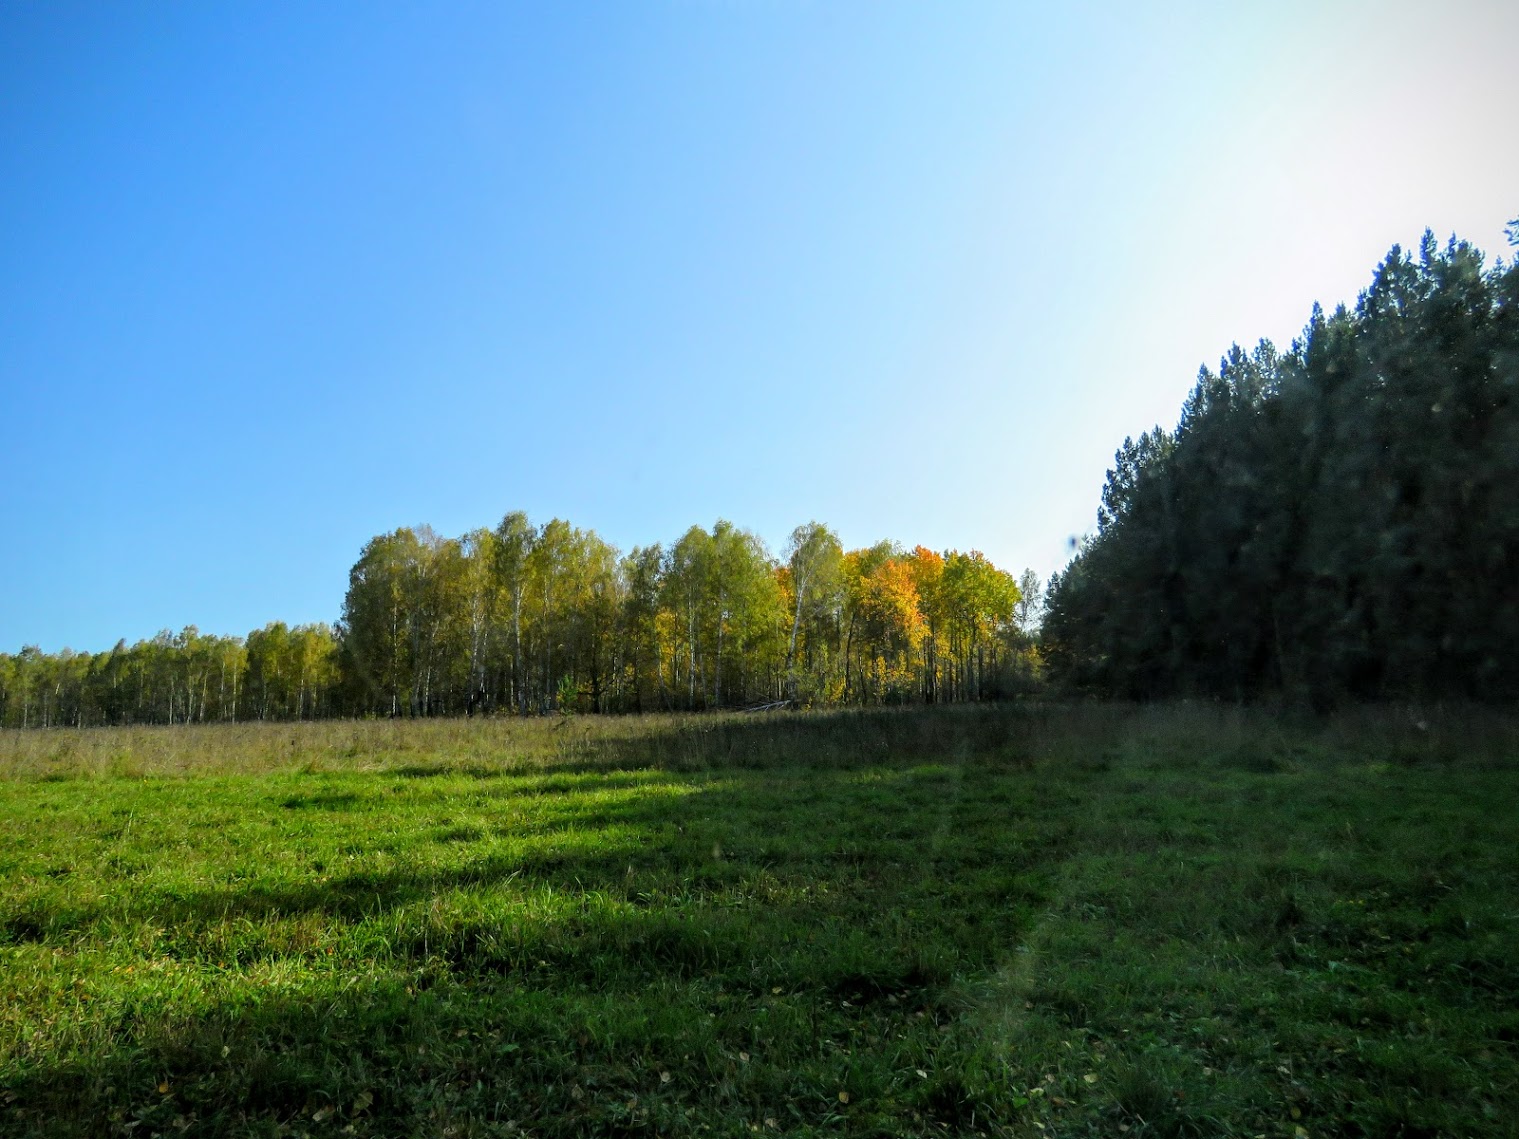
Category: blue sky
<point>275,278</point>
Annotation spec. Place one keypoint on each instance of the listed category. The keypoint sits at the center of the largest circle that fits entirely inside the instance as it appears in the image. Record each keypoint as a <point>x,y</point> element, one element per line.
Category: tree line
<point>1336,522</point>
<point>275,673</point>
<point>529,619</point>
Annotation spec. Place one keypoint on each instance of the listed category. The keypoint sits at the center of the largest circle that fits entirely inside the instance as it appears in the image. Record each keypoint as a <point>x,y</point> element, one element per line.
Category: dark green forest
<point>1334,522</point>
<point>1339,521</point>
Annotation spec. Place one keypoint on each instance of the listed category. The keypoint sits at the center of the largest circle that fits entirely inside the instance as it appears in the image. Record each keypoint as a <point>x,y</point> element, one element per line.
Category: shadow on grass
<point>388,1056</point>
<point>424,1051</point>
<point>600,994</point>
<point>687,830</point>
<point>838,739</point>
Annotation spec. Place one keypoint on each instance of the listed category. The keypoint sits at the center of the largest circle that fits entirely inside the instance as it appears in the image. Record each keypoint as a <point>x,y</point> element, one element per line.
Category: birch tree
<point>815,560</point>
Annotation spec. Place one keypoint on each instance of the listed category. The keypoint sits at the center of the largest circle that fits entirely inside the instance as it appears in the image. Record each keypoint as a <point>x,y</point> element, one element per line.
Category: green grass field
<point>998,921</point>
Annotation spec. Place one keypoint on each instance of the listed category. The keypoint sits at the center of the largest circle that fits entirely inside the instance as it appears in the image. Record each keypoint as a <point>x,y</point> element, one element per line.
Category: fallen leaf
<point>776,990</point>
<point>922,1073</point>
<point>843,1097</point>
<point>1090,1077</point>
<point>743,1057</point>
<point>163,1088</point>
<point>361,1102</point>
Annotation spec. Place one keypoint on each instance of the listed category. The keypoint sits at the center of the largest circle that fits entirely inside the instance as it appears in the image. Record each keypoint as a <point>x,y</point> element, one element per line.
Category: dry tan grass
<point>1080,733</point>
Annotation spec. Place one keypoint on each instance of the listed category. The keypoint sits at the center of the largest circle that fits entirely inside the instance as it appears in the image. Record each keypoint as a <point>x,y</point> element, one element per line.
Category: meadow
<point>983,920</point>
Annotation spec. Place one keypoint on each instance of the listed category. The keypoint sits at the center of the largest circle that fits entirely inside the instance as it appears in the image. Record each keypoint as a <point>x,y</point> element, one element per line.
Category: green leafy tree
<point>515,538</point>
<point>815,561</point>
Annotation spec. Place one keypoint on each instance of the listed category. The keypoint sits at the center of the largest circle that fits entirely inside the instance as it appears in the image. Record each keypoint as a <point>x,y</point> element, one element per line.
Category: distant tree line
<point>1335,522</point>
<point>528,618</point>
<point>276,673</point>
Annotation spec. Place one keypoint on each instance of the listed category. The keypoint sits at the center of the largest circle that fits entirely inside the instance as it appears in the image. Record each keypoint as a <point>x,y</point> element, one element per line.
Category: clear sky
<point>277,277</point>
